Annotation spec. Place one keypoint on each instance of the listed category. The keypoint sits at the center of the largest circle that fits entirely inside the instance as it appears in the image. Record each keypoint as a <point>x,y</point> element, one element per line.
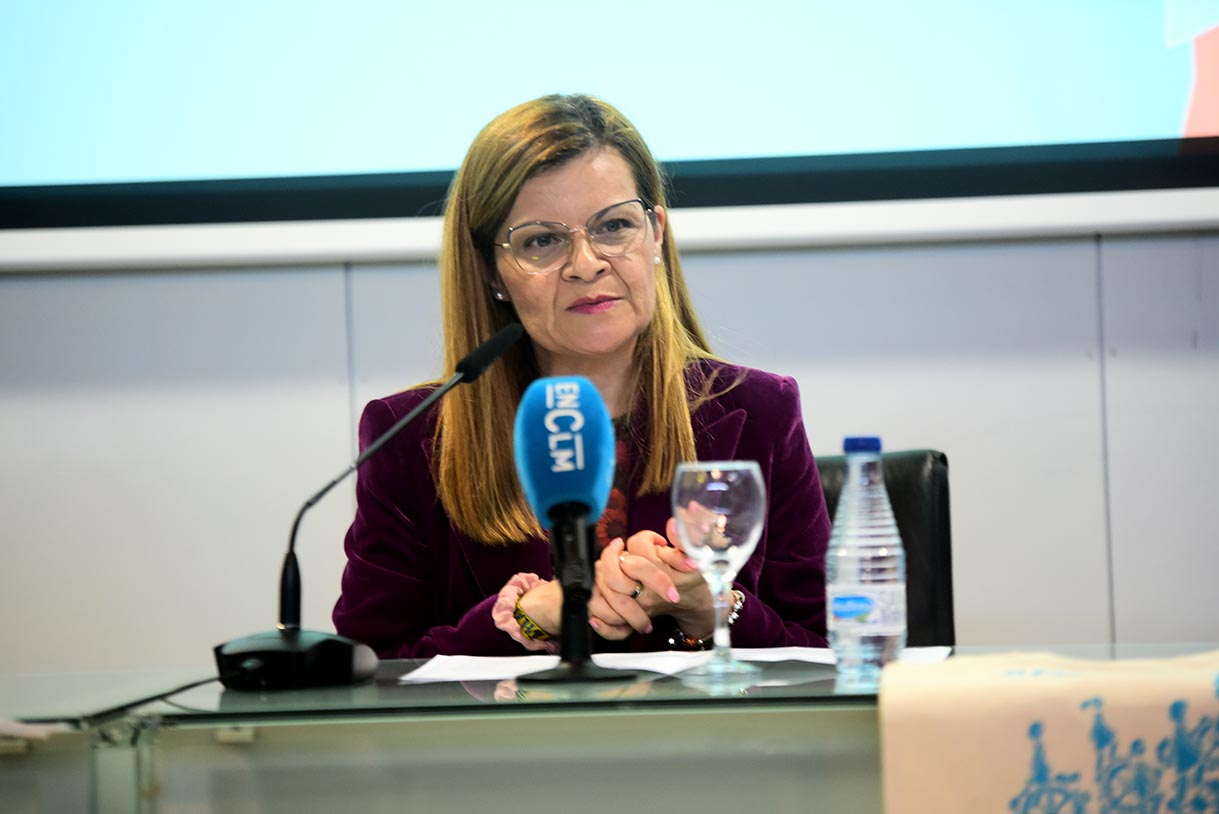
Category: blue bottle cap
<point>861,443</point>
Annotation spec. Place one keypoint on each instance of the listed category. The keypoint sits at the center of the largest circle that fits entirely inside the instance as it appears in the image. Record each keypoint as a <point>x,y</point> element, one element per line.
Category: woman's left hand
<point>621,579</point>
<point>644,577</point>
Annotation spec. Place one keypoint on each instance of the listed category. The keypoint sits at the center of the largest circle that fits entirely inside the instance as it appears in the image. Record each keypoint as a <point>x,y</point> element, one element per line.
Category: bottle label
<point>867,609</point>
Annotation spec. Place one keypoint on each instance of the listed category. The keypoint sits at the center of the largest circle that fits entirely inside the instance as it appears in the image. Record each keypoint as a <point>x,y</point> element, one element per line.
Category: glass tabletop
<point>778,682</point>
<point>385,694</point>
<point>81,700</point>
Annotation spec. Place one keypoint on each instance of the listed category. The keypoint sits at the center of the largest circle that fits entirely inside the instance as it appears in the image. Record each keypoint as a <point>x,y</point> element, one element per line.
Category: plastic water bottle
<point>865,570</point>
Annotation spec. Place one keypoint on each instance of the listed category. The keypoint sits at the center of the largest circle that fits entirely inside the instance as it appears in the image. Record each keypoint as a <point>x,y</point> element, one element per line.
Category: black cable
<point>185,708</point>
<point>100,717</point>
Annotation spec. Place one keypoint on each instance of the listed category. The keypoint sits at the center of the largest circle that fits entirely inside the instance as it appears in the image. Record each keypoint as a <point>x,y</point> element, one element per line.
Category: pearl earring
<point>499,295</point>
<point>656,260</point>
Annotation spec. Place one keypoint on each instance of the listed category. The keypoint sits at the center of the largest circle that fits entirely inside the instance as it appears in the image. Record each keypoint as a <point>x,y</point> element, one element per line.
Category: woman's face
<point>592,309</point>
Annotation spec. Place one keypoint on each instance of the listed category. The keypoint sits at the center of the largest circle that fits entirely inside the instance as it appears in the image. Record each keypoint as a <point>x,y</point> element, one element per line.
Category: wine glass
<point>719,508</point>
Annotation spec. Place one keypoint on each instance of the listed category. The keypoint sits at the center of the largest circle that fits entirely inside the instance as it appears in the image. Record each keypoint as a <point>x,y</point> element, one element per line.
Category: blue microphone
<point>564,442</point>
<point>564,447</point>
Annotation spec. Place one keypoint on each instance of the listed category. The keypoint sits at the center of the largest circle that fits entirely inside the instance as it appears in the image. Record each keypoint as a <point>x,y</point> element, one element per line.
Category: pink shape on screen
<point>1202,117</point>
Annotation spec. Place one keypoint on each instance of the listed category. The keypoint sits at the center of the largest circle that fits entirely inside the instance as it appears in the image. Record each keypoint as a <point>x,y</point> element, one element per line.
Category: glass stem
<point>721,596</point>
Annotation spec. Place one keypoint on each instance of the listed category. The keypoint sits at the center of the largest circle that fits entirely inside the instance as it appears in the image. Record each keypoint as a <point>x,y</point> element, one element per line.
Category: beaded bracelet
<point>680,640</point>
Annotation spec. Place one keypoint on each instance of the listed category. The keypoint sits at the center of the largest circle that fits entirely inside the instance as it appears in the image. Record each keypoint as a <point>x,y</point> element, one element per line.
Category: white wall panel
<point>1161,313</point>
<point>159,432</point>
<point>987,352</point>
<point>397,335</point>
<point>160,429</point>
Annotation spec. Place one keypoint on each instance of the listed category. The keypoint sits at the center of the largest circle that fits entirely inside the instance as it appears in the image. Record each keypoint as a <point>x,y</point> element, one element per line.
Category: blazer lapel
<point>717,439</point>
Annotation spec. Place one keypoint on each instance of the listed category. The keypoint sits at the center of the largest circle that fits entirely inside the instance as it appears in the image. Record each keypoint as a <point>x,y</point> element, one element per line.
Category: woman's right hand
<point>544,605</point>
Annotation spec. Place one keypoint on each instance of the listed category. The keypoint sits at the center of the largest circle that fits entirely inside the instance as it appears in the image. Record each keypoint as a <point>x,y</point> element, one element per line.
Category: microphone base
<point>575,672</point>
<point>293,659</point>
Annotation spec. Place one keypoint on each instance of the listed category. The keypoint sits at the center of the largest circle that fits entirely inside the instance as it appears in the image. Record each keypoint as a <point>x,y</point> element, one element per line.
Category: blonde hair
<point>474,468</point>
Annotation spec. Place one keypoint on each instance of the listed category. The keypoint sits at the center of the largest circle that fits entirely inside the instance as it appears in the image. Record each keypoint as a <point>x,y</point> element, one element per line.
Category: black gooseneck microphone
<point>291,658</point>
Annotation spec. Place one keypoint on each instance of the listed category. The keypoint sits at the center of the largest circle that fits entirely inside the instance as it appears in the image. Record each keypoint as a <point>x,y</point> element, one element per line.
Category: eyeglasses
<point>541,247</point>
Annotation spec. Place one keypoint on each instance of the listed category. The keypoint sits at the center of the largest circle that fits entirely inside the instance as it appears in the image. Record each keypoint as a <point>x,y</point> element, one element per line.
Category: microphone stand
<point>290,578</point>
<point>291,658</point>
<point>571,543</point>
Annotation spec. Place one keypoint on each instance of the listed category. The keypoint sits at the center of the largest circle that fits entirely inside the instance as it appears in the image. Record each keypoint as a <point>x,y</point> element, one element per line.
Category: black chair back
<point>917,481</point>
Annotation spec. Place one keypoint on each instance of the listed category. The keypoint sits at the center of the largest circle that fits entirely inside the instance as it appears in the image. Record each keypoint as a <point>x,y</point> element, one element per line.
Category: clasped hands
<point>635,580</point>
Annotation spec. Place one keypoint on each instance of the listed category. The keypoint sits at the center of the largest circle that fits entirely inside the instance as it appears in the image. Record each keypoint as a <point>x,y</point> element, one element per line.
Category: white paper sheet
<point>924,655</point>
<point>486,668</point>
<point>10,728</point>
<point>666,662</point>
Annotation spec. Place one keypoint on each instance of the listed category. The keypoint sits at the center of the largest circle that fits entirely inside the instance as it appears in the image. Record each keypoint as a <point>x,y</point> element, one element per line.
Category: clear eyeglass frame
<point>555,241</point>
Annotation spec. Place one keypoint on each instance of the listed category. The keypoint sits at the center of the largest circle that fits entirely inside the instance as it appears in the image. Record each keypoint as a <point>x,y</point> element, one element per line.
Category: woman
<point>557,219</point>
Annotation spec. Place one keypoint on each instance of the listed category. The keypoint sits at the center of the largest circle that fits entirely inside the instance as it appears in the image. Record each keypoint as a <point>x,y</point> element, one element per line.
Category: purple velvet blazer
<point>415,586</point>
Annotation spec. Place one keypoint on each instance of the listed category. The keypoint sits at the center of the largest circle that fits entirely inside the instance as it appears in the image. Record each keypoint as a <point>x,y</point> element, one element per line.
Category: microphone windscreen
<point>479,359</point>
<point>564,446</point>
